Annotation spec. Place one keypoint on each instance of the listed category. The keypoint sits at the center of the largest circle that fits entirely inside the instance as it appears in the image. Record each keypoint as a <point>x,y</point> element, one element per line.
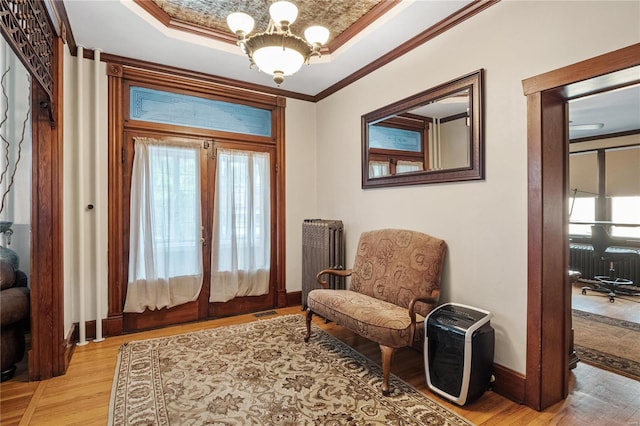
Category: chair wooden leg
<point>309,316</point>
<point>387,355</point>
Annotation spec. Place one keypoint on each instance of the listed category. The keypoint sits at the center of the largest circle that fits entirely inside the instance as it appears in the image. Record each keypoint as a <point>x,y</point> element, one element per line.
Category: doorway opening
<point>548,294</point>
<point>604,200</point>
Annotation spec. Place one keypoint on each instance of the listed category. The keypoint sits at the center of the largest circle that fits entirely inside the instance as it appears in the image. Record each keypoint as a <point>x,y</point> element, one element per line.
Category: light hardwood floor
<point>81,396</point>
<point>624,308</point>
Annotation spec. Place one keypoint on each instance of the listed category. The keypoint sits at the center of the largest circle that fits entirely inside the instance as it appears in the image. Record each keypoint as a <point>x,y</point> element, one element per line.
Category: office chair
<point>603,250</point>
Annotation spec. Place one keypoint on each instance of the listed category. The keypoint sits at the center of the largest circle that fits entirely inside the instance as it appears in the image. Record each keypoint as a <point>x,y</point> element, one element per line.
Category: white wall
<point>77,176</point>
<point>454,144</point>
<point>483,222</point>
<point>301,185</point>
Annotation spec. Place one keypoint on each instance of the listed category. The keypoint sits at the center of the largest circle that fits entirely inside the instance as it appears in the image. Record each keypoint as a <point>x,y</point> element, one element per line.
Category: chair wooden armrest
<point>435,295</point>
<point>338,272</point>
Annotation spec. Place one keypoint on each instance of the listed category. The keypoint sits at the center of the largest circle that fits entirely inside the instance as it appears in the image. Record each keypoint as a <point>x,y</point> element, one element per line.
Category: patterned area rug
<point>260,373</point>
<point>607,343</point>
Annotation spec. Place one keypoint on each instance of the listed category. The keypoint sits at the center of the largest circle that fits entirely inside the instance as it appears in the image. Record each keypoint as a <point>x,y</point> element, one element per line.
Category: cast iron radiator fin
<point>581,259</point>
<point>323,247</point>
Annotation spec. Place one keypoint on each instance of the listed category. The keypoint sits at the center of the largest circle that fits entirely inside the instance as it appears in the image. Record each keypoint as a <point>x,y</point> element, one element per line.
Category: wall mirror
<point>433,136</point>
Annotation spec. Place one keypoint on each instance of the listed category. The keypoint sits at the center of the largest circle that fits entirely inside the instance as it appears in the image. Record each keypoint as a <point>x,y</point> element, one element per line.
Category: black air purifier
<point>458,351</point>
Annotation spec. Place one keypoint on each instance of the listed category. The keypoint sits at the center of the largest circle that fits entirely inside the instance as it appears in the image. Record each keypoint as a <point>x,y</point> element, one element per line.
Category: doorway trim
<point>549,293</point>
<point>120,76</point>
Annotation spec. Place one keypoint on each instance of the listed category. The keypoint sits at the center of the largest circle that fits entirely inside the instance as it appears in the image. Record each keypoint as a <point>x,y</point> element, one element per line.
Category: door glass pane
<point>241,228</point>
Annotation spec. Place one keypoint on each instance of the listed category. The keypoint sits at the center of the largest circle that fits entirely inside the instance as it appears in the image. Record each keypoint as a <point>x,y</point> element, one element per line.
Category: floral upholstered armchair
<point>395,283</point>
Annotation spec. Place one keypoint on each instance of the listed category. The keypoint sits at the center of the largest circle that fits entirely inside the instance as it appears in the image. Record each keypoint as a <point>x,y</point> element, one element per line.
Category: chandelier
<point>277,51</point>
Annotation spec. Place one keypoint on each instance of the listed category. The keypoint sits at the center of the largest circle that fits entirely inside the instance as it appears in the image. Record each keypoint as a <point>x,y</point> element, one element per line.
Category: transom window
<point>157,106</point>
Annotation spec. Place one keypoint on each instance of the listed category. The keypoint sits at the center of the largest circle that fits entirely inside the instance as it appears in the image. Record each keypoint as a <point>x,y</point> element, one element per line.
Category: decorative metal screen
<point>26,27</point>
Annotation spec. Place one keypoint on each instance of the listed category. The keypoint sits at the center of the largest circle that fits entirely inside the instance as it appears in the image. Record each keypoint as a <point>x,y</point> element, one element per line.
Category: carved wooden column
<point>281,282</point>
<point>113,325</point>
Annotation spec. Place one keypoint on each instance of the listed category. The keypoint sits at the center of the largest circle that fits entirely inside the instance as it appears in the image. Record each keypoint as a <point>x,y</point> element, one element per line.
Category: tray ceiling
<point>338,15</point>
<point>192,34</point>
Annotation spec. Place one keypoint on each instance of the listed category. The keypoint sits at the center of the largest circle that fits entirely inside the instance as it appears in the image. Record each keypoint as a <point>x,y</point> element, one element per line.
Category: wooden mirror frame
<point>474,171</point>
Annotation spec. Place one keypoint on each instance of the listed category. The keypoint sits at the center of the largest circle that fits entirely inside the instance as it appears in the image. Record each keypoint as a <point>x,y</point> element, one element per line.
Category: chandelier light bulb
<point>274,59</point>
<point>240,23</point>
<point>316,35</point>
<point>283,13</point>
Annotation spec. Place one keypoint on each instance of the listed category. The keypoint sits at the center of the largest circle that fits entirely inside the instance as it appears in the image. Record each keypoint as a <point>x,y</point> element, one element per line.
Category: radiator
<point>323,246</point>
<point>581,259</point>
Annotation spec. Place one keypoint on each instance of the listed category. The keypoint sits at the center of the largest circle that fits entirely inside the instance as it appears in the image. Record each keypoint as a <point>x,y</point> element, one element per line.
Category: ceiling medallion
<point>277,51</point>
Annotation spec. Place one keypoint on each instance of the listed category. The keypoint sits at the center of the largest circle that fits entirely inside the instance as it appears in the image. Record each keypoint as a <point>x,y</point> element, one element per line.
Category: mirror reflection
<point>431,137</point>
<point>434,136</point>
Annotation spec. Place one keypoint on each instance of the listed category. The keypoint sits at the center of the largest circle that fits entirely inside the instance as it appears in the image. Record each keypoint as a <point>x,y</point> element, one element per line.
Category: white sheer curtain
<point>165,251</point>
<point>403,166</point>
<point>241,226</point>
<point>378,169</point>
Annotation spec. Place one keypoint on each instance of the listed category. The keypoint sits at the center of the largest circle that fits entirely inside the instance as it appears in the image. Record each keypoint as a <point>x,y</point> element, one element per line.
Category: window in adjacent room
<point>625,210</point>
<point>581,210</point>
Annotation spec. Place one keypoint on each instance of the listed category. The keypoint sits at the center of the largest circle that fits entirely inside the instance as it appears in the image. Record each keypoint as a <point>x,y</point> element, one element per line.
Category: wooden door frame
<point>549,293</point>
<point>48,355</point>
<point>120,75</point>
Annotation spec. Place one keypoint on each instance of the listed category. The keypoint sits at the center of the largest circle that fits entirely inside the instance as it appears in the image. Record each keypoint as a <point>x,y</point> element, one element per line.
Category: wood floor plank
<point>33,403</point>
<point>81,396</point>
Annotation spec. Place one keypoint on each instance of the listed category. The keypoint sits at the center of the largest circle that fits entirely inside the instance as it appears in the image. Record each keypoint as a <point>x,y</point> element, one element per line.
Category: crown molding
<point>445,24</point>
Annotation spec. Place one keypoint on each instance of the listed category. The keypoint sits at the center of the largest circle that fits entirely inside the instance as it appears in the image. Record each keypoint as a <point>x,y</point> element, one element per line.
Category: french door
<point>232,184</point>
<point>242,237</point>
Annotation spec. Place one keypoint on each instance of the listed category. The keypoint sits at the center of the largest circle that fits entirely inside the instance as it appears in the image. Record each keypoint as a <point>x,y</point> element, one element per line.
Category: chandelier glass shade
<point>277,51</point>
